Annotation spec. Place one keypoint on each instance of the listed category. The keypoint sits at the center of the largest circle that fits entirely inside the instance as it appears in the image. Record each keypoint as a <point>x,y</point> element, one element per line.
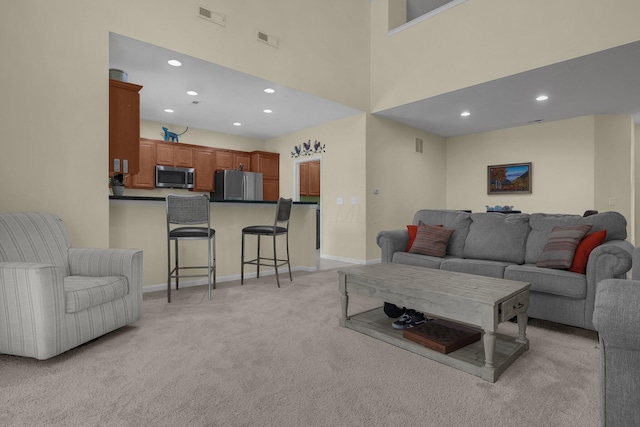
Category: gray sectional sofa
<point>509,245</point>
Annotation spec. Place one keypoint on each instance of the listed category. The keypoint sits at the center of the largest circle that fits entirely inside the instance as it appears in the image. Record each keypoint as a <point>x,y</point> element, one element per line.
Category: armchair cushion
<point>83,292</point>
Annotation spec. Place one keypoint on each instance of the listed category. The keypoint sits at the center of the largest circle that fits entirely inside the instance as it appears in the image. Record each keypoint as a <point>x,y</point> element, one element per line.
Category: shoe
<point>409,319</point>
<point>393,311</point>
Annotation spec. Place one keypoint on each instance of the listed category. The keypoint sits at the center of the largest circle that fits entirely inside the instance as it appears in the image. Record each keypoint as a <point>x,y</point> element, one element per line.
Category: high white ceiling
<point>605,82</point>
<point>225,96</point>
<point>601,83</point>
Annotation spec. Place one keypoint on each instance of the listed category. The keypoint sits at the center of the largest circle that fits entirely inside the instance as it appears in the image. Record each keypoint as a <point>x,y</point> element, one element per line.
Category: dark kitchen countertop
<point>162,199</point>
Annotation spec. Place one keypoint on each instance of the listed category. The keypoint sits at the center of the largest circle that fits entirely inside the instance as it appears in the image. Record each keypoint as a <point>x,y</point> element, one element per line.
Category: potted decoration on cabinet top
<point>117,184</point>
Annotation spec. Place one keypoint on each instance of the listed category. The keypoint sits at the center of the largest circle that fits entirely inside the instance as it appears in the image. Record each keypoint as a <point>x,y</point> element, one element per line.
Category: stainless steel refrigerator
<point>237,185</point>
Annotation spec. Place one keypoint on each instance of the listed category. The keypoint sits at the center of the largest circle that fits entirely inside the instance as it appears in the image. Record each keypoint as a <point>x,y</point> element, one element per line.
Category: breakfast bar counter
<point>140,222</point>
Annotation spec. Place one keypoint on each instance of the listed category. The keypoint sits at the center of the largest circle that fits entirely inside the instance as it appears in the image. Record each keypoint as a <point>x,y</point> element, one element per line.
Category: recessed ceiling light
<point>542,98</point>
<point>192,92</point>
<point>267,111</point>
<point>168,110</point>
<point>269,90</point>
<point>237,124</point>
<point>174,63</point>
<point>465,114</point>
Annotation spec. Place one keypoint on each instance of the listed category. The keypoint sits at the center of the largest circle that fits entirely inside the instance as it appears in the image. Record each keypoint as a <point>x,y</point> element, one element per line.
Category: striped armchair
<point>54,297</point>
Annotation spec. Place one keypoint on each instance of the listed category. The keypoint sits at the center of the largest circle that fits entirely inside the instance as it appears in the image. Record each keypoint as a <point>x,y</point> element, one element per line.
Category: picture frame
<point>513,178</point>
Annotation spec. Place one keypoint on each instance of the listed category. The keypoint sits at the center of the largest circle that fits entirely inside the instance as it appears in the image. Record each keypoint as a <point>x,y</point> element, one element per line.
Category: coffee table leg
<point>489,340</point>
<point>344,299</point>
<point>522,328</point>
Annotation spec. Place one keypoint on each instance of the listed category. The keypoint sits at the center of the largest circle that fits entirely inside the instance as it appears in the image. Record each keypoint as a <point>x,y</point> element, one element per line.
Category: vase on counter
<point>118,190</point>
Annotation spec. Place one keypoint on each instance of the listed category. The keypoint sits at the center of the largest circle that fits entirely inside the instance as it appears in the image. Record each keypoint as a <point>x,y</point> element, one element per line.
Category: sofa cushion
<point>548,280</point>
<point>586,245</point>
<point>475,266</point>
<point>497,237</point>
<point>83,292</point>
<point>561,246</point>
<point>458,221</point>
<point>431,240</point>
<point>417,260</point>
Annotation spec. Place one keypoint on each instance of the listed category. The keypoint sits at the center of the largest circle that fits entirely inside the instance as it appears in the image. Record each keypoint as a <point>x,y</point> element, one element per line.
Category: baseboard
<point>351,260</point>
<point>221,279</point>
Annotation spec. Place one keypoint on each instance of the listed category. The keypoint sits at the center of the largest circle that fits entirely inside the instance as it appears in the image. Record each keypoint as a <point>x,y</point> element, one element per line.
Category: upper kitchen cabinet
<point>173,154</point>
<point>205,160</point>
<point>269,165</point>
<point>229,159</point>
<point>124,127</point>
<point>145,178</point>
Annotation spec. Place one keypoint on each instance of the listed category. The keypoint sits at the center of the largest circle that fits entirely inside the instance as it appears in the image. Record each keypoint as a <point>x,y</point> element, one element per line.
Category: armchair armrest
<point>616,316</point>
<point>392,241</point>
<point>32,308</point>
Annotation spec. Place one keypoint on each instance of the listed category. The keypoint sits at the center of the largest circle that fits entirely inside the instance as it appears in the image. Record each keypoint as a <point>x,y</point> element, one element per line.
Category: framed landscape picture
<point>511,178</point>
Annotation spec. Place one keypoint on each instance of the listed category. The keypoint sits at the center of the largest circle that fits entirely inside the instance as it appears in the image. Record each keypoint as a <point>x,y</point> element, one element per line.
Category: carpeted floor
<point>257,355</point>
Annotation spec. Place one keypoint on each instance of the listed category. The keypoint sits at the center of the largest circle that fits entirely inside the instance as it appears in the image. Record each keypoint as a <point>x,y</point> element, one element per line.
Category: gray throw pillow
<point>561,246</point>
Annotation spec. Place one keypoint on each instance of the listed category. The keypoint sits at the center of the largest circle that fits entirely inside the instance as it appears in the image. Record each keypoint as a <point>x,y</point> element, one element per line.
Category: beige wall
<point>142,225</point>
<point>54,113</point>
<point>562,157</point>
<point>343,175</point>
<point>407,181</point>
<point>479,41</point>
<point>153,130</point>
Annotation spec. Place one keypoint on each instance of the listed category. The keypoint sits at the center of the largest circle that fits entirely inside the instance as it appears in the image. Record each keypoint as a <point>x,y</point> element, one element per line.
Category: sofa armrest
<point>616,316</point>
<point>32,310</point>
<point>611,260</point>
<point>392,241</point>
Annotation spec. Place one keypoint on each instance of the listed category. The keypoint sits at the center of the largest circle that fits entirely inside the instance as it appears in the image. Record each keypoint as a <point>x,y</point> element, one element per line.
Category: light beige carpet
<point>257,355</point>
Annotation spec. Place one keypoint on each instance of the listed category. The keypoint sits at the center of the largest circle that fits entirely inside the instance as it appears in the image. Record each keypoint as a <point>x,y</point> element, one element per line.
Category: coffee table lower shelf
<point>470,359</point>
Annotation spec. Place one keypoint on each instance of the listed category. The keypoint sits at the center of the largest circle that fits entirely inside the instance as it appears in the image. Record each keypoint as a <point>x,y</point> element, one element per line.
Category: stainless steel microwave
<point>172,177</point>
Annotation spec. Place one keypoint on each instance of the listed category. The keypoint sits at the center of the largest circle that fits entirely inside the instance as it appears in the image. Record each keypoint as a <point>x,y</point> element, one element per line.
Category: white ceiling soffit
<point>225,96</point>
<point>605,82</point>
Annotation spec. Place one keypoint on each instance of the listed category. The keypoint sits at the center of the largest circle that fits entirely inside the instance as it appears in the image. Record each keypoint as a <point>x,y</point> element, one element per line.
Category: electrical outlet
<point>340,201</point>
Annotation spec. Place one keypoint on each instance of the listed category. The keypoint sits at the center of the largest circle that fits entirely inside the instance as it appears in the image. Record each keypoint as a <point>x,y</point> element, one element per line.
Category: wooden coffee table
<point>472,300</point>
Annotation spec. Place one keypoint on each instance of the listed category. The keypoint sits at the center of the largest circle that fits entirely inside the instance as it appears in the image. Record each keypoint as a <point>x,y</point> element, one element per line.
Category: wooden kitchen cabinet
<point>173,154</point>
<point>314,178</point>
<point>205,161</point>
<point>124,127</point>
<point>228,159</point>
<point>310,178</point>
<point>269,165</point>
<point>145,178</point>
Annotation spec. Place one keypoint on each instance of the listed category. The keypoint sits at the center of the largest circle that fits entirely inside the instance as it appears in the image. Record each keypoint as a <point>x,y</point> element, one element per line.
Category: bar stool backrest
<point>187,209</point>
<point>283,211</point>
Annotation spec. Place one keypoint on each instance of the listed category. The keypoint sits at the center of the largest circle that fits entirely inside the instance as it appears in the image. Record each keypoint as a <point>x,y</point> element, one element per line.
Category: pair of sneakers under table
<point>409,319</point>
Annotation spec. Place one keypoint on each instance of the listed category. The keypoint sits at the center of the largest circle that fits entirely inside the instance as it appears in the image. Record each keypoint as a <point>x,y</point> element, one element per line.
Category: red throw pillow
<point>413,231</point>
<point>589,243</point>
<point>431,240</point>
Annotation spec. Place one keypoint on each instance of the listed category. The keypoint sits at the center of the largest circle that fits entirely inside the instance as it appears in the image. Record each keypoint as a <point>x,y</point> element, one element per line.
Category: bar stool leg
<point>168,270</point>
<point>242,260</point>
<point>258,259</point>
<point>288,262</point>
<point>177,266</point>
<point>275,261</point>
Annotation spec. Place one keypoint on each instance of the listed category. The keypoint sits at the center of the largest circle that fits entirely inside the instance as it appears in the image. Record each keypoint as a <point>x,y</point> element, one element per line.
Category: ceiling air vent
<point>268,39</point>
<point>212,16</point>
